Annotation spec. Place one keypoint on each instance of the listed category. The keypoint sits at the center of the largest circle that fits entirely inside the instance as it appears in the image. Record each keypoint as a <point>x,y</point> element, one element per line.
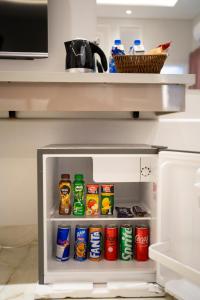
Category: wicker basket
<point>139,63</point>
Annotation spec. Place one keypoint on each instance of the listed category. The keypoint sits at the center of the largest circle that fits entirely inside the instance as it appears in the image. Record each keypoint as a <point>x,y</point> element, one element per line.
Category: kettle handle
<point>67,44</point>
<point>96,49</point>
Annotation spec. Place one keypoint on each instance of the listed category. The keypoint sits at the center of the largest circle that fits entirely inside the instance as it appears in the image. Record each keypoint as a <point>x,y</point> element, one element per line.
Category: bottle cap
<point>137,42</point>
<point>65,176</point>
<point>117,42</point>
<point>78,176</point>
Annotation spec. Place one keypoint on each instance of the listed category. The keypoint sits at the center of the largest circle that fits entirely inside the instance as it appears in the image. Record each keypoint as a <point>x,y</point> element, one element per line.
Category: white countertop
<point>117,78</point>
<point>99,146</point>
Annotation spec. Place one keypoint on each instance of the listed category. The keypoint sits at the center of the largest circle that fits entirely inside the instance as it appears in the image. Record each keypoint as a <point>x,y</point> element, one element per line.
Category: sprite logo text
<point>127,241</point>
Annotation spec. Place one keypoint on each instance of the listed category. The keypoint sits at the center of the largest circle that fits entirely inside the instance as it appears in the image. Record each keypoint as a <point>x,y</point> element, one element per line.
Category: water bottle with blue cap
<point>137,48</point>
<point>117,49</point>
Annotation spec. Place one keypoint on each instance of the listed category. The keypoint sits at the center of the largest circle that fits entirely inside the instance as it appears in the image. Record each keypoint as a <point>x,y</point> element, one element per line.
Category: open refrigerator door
<point>178,247</point>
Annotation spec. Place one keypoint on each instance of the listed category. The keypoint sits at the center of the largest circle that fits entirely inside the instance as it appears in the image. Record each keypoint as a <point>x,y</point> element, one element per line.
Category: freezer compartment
<point>101,271</point>
<point>118,168</point>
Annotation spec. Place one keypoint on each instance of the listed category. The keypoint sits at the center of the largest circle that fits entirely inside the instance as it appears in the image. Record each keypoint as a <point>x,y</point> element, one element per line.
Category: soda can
<point>63,243</point>
<point>81,240</point>
<point>126,242</point>
<point>111,242</point>
<point>95,242</point>
<point>141,243</point>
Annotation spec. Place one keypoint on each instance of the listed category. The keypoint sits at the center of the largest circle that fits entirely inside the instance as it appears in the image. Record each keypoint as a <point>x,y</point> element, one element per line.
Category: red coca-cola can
<point>111,242</point>
<point>141,243</point>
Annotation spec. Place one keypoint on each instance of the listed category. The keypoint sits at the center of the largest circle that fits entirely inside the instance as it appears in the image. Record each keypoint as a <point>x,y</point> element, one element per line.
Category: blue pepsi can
<point>63,243</point>
<point>81,242</point>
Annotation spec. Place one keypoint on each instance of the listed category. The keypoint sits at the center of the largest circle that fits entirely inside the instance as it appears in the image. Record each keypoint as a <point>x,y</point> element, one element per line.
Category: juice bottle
<point>65,195</point>
<point>78,189</point>
<point>107,199</point>
<point>92,199</point>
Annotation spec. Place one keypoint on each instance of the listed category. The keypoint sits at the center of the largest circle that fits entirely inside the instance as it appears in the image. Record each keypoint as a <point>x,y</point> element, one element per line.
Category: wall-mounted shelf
<point>62,91</point>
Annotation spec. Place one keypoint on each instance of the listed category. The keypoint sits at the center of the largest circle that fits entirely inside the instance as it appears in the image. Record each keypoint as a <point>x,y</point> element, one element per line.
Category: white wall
<point>154,32</point>
<point>20,138</point>
<point>196,27</point>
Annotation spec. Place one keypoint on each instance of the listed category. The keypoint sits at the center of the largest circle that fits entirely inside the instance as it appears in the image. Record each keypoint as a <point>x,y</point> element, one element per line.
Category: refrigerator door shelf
<point>99,291</point>
<point>162,254</point>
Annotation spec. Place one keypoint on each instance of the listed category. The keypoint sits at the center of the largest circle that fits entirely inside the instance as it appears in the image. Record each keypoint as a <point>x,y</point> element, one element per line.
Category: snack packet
<point>124,212</point>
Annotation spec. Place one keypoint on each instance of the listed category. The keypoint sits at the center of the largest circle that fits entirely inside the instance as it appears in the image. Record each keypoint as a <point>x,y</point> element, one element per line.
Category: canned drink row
<point>91,242</point>
<point>88,243</point>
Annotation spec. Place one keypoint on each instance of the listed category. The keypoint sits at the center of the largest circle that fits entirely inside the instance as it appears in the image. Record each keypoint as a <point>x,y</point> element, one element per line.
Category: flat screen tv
<point>23,28</point>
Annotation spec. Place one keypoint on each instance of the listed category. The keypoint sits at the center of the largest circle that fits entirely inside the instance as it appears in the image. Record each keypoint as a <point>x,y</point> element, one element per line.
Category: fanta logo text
<point>141,239</point>
<point>95,250</point>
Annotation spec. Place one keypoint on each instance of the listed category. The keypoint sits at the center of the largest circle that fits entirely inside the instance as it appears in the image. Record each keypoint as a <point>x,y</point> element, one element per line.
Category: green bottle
<point>78,189</point>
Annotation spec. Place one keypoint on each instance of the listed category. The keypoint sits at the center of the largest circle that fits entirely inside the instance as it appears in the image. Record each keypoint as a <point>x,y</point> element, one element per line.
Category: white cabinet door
<point>178,247</point>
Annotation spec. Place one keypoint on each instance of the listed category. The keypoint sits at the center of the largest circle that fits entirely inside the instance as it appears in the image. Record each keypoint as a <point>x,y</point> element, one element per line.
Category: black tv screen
<point>23,28</point>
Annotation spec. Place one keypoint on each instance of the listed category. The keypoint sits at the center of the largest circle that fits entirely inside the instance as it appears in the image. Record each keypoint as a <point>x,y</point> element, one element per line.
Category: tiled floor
<point>18,263</point>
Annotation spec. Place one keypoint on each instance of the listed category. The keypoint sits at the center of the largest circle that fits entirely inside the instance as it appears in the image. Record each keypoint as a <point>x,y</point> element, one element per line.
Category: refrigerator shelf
<point>56,217</point>
<point>98,272</point>
<point>72,265</point>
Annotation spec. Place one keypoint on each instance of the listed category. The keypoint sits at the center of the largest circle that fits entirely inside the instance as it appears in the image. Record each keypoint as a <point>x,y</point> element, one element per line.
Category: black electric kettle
<point>80,56</point>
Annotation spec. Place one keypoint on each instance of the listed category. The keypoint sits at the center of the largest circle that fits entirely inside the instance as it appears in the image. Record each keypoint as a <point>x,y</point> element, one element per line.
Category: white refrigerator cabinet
<point>165,183</point>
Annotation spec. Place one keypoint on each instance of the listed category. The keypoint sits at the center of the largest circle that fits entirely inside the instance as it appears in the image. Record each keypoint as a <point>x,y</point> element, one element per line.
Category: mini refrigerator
<point>164,182</point>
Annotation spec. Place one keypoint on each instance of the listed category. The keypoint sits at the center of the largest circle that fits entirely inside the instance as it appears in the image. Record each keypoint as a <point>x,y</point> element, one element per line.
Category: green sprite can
<point>126,242</point>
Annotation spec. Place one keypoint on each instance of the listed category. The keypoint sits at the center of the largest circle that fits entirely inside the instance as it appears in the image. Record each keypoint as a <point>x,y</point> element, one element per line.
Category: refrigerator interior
<point>126,194</point>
